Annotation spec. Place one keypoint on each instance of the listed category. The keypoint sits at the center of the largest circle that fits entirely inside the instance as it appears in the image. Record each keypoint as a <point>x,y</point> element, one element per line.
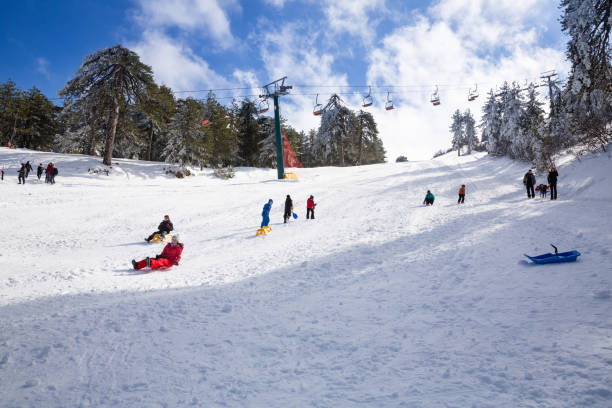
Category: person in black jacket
<point>552,181</point>
<point>21,174</point>
<point>28,168</point>
<point>529,181</point>
<point>39,170</point>
<point>288,208</point>
<point>164,227</point>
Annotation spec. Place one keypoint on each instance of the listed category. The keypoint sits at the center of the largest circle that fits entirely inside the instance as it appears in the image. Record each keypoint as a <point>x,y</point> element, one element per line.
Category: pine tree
<point>221,139</point>
<point>9,95</point>
<point>491,124</point>
<point>471,139</point>
<point>457,128</point>
<point>152,116</point>
<point>248,133</point>
<point>112,76</point>
<point>186,143</point>
<point>533,143</point>
<point>512,111</point>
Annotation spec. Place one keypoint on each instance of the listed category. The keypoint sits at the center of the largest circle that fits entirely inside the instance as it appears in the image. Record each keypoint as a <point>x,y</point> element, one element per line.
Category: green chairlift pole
<point>274,90</point>
<point>280,154</point>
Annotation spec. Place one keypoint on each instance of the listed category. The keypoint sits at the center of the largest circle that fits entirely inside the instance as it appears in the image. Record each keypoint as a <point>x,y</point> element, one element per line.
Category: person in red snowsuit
<point>171,255</point>
<point>310,207</point>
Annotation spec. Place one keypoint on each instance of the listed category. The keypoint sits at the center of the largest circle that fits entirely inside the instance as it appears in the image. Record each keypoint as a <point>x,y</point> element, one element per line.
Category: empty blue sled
<point>295,216</point>
<point>569,256</point>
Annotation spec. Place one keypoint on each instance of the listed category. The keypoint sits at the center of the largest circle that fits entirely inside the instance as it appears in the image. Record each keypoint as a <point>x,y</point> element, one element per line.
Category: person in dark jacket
<point>288,208</point>
<point>265,214</point>
<point>310,207</point>
<point>48,172</point>
<point>54,172</point>
<point>171,255</point>
<point>39,170</point>
<point>429,198</point>
<point>552,181</point>
<point>21,174</point>
<point>529,181</point>
<point>28,168</point>
<point>164,227</point>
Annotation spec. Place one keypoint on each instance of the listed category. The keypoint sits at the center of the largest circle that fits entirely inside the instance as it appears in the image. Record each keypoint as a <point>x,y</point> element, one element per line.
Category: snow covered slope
<point>379,302</point>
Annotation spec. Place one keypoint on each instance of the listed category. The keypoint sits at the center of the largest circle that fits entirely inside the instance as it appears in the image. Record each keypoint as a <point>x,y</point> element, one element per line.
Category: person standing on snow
<point>461,194</point>
<point>54,172</point>
<point>529,181</point>
<point>552,180</point>
<point>288,208</point>
<point>48,172</point>
<point>163,228</point>
<point>429,198</point>
<point>28,168</point>
<point>171,255</point>
<point>265,214</point>
<point>39,170</point>
<point>21,174</point>
<point>310,207</point>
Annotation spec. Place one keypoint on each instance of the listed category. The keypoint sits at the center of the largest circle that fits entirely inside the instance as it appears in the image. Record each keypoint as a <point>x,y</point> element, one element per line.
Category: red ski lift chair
<point>318,108</point>
<point>389,103</point>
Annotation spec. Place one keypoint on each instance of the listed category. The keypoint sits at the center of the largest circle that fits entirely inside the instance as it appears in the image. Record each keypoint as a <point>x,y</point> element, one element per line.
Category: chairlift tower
<point>274,90</point>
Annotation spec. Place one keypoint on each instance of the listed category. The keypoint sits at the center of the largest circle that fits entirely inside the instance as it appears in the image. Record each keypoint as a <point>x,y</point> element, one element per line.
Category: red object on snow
<point>310,203</point>
<point>289,156</point>
<point>170,255</point>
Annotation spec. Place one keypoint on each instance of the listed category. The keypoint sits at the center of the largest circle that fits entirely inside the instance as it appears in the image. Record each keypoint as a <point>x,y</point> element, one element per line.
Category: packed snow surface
<point>378,302</point>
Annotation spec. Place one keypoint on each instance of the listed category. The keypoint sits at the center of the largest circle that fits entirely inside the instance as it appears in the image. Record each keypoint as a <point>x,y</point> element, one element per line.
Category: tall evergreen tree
<point>186,143</point>
<point>457,128</point>
<point>113,76</point>
<point>491,124</point>
<point>471,139</point>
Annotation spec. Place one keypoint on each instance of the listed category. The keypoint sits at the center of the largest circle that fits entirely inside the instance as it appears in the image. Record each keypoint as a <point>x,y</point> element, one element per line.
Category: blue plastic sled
<point>570,256</point>
<point>295,216</point>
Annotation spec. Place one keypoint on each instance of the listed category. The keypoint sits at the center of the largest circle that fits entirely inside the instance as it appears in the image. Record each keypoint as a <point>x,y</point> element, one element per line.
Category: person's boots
<point>134,264</point>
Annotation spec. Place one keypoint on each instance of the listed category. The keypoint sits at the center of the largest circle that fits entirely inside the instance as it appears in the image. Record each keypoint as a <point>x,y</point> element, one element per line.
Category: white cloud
<point>353,17</point>
<point>457,44</point>
<point>207,17</point>
<point>42,66</point>
<point>174,64</point>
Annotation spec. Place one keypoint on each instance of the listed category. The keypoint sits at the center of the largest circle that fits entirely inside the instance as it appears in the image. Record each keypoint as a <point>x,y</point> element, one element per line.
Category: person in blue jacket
<point>429,198</point>
<point>265,214</point>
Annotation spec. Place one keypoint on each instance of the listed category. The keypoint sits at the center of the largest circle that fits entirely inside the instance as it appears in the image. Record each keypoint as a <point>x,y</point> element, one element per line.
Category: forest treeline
<point>112,107</point>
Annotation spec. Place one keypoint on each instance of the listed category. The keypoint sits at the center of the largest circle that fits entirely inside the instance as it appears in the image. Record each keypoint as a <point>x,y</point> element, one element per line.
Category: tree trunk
<point>360,156</point>
<point>150,148</point>
<point>109,146</point>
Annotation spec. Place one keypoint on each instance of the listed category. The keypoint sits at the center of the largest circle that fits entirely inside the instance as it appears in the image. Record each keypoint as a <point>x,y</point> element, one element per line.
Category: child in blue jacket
<point>265,214</point>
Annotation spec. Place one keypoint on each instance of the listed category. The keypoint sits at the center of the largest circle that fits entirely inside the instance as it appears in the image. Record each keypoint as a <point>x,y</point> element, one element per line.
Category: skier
<point>39,170</point>
<point>461,194</point>
<point>310,207</point>
<point>163,228</point>
<point>429,198</point>
<point>171,255</point>
<point>28,168</point>
<point>265,214</point>
<point>54,172</point>
<point>529,181</point>
<point>552,180</point>
<point>288,208</point>
<point>21,174</point>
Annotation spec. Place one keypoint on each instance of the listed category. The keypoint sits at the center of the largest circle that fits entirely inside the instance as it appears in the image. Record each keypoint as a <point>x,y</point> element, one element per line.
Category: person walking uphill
<point>529,181</point>
<point>429,198</point>
<point>552,181</point>
<point>171,255</point>
<point>21,174</point>
<point>28,168</point>
<point>288,208</point>
<point>310,207</point>
<point>163,228</point>
<point>461,194</point>
<point>48,173</point>
<point>39,170</point>
<point>265,214</point>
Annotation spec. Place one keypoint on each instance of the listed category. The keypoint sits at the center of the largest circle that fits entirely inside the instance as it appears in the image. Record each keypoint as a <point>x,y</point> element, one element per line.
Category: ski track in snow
<point>378,302</point>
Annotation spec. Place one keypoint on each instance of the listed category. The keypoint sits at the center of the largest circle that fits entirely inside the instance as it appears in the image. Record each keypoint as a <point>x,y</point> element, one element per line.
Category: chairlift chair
<point>473,94</point>
<point>435,98</point>
<point>318,108</point>
<point>389,103</point>
<point>368,101</point>
<point>262,106</point>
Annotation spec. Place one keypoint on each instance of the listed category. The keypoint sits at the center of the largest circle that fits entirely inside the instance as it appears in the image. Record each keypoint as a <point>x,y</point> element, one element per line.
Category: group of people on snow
<point>430,198</point>
<point>25,169</point>
<point>529,181</point>
<point>288,213</point>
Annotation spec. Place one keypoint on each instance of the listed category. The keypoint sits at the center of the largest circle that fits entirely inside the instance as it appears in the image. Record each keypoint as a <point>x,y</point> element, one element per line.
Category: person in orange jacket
<point>171,255</point>
<point>461,194</point>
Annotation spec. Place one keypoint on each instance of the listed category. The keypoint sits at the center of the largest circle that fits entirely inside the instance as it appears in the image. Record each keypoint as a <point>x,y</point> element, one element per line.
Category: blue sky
<point>404,47</point>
